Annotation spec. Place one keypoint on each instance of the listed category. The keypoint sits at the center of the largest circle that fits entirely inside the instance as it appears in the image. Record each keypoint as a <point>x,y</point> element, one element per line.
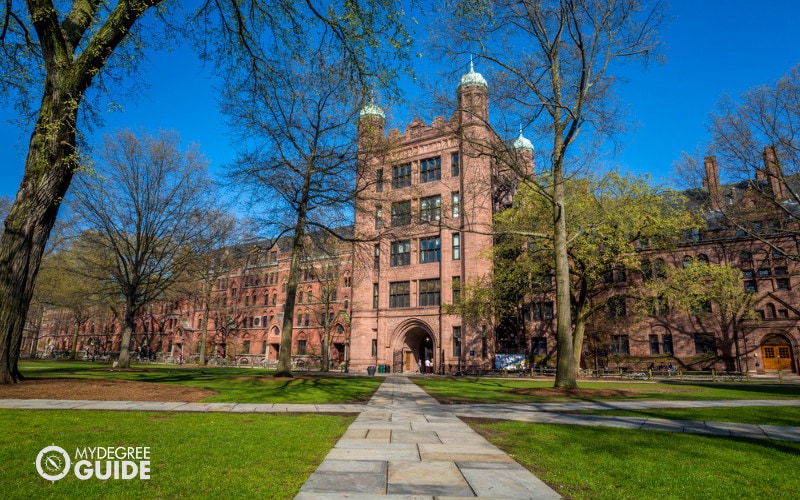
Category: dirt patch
<point>102,390</point>
<point>555,392</point>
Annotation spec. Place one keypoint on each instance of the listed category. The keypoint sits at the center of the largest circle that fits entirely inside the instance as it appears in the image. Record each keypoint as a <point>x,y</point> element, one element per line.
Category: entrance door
<point>777,357</point>
<point>408,362</point>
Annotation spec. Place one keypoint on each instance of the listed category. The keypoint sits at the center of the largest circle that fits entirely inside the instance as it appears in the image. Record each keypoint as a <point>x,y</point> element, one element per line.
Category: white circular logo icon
<point>52,463</point>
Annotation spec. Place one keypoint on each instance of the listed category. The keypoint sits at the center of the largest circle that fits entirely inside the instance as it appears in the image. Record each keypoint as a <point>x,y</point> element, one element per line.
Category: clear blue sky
<point>712,48</point>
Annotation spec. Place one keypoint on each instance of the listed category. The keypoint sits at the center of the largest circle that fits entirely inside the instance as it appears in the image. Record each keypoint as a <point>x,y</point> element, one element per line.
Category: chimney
<point>774,173</point>
<point>711,182</point>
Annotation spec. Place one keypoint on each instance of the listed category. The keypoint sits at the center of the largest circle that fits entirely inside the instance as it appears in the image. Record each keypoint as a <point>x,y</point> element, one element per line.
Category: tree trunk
<point>284,368</point>
<point>128,325</point>
<point>49,168</point>
<point>204,338</point>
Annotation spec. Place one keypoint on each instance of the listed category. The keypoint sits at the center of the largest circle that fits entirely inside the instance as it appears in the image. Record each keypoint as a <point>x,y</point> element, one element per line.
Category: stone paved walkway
<point>404,444</point>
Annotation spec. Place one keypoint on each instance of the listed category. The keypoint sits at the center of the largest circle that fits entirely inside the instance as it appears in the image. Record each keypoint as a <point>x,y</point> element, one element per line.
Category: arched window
<point>687,260</point>
<point>275,331</point>
<point>746,257</point>
<point>702,258</point>
<point>310,295</point>
<point>770,311</point>
<point>339,330</point>
<point>346,305</point>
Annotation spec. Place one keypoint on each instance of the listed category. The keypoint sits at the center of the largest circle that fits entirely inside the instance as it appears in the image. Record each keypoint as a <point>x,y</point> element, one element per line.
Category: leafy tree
<point>610,219</point>
<point>55,54</point>
<point>554,64</point>
<point>146,205</point>
<point>713,295</point>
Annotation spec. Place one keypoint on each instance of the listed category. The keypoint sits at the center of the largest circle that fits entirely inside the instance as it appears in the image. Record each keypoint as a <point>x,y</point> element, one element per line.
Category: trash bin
<point>371,370</point>
<point>386,368</point>
<point>380,369</point>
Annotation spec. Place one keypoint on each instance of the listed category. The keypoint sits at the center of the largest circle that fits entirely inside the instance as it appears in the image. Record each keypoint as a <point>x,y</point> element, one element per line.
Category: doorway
<point>776,351</point>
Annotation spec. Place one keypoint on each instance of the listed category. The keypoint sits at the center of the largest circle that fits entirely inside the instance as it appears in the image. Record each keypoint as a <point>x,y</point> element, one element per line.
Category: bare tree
<point>757,140</point>
<point>553,65</point>
<point>298,161</point>
<point>211,256</point>
<point>146,204</point>
<point>54,53</point>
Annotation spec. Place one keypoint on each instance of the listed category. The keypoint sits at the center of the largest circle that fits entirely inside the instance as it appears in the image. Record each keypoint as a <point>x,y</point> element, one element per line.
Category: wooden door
<point>408,362</point>
<point>777,357</point>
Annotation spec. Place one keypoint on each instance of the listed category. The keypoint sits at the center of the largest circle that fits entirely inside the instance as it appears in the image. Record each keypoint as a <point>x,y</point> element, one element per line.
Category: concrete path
<point>405,445</point>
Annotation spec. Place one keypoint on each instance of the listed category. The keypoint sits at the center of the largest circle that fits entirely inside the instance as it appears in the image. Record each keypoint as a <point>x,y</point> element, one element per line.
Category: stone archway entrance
<point>776,351</point>
<point>417,345</point>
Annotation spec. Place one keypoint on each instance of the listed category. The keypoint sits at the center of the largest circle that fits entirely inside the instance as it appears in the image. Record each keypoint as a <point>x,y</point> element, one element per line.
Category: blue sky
<point>712,48</point>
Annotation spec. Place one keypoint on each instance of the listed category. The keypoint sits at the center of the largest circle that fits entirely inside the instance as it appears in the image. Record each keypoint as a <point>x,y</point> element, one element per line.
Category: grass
<point>758,415</point>
<point>607,463</point>
<point>193,455</point>
<point>234,385</point>
<point>489,390</point>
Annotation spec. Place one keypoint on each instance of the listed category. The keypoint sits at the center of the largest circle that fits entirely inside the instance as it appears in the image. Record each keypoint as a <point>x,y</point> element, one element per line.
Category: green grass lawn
<point>786,415</point>
<point>234,385</point>
<point>605,463</point>
<point>193,455</point>
<point>491,390</point>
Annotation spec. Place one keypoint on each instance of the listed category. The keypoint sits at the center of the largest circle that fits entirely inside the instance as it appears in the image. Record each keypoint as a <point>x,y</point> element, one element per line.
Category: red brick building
<point>423,225</point>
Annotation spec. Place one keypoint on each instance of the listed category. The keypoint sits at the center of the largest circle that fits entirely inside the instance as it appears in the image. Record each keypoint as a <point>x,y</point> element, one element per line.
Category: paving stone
<point>415,437</point>
<point>435,478</point>
<point>506,482</point>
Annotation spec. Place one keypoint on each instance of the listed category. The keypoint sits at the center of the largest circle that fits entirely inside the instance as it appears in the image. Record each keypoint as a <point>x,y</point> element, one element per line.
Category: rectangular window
<point>456,341</point>
<point>246,347</point>
<point>430,208</point>
<point>539,346</point>
<point>379,180</point>
<point>400,253</point>
<point>376,256</point>
<point>378,217</point>
<point>456,246</point>
<point>705,343</point>
<point>400,294</point>
<point>763,272</point>
<point>401,213</point>
<point>620,345</point>
<point>401,176</point>
<point>780,271</point>
<point>666,342</point>
<point>263,347</point>
<point>374,295</point>
<point>750,286</point>
<point>456,205</point>
<point>430,170</point>
<point>430,250</point>
<point>429,292</point>
<point>616,307</point>
<point>374,347</point>
<point>782,284</point>
<point>455,166</point>
<point>301,347</point>
<point>654,345</point>
<point>542,311</point>
<point>456,289</point>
